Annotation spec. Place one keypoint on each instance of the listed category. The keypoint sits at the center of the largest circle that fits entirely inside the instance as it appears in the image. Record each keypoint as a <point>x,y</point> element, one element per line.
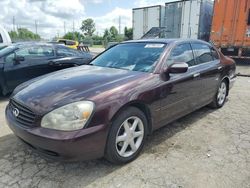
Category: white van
<point>4,38</point>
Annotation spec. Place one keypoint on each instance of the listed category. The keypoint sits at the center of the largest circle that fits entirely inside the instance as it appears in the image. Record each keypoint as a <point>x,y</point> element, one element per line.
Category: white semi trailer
<point>181,19</point>
<point>145,18</point>
<point>189,19</point>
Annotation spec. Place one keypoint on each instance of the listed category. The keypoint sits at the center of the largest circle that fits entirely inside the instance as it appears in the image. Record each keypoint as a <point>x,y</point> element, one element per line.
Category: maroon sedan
<point>107,108</point>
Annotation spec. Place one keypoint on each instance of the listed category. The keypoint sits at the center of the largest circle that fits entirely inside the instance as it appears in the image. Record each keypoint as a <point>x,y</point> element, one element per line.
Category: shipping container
<point>145,18</point>
<point>231,27</point>
<point>188,19</point>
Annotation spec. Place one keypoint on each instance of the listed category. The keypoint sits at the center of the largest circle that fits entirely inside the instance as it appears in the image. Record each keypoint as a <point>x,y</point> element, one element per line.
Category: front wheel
<point>221,95</point>
<point>127,136</point>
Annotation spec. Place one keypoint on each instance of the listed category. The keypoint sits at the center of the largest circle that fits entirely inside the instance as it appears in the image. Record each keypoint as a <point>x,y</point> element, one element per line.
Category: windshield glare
<point>131,56</point>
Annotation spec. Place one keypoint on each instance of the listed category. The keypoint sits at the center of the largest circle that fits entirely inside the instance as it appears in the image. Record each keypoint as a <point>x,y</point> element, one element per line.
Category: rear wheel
<point>127,136</point>
<point>221,95</point>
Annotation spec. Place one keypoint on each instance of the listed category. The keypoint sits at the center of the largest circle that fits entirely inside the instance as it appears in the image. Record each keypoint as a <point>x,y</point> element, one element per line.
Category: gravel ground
<point>208,148</point>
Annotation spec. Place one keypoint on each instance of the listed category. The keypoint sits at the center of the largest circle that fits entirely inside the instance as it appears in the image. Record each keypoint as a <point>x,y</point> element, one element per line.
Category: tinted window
<point>9,58</point>
<point>131,56</point>
<point>214,53</point>
<point>36,51</point>
<point>67,52</point>
<point>62,41</point>
<point>6,50</point>
<point>31,52</point>
<point>181,53</point>
<point>1,39</point>
<point>202,53</point>
<point>70,42</point>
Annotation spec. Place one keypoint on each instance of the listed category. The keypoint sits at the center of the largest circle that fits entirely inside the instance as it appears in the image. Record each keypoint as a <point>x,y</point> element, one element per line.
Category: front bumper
<point>82,144</point>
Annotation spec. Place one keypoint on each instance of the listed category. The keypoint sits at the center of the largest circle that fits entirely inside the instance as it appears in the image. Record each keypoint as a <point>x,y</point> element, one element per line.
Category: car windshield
<point>6,50</point>
<point>131,56</point>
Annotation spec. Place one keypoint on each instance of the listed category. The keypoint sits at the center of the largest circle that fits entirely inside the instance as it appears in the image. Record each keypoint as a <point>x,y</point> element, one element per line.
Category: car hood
<point>48,92</point>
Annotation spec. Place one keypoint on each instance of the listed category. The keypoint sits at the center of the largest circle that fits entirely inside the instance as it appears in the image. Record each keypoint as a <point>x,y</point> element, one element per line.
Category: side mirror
<point>180,67</point>
<point>17,59</point>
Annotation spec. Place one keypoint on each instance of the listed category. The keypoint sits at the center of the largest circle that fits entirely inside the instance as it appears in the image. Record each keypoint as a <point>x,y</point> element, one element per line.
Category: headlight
<point>69,117</point>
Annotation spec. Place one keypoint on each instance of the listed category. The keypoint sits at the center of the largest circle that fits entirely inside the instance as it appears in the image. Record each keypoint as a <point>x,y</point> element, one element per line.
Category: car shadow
<point>4,98</point>
<point>166,132</point>
<point>17,157</point>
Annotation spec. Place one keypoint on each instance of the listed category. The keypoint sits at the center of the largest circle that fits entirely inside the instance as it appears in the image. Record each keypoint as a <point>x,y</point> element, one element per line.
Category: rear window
<point>70,42</point>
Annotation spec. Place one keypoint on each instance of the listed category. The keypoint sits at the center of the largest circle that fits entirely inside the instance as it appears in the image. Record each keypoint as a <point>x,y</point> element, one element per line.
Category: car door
<point>180,90</point>
<point>76,57</point>
<point>39,60</point>
<point>15,72</point>
<point>209,69</point>
<point>34,64</point>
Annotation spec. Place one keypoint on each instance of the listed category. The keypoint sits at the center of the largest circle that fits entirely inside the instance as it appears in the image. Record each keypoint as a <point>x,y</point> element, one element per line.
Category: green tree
<point>128,33</point>
<point>97,40</point>
<point>23,34</point>
<point>13,35</point>
<point>88,27</point>
<point>73,36</point>
<point>113,33</point>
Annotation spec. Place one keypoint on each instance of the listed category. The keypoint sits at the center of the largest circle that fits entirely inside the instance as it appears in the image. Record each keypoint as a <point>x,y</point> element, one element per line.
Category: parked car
<point>107,108</point>
<point>4,38</point>
<point>23,61</point>
<point>70,43</point>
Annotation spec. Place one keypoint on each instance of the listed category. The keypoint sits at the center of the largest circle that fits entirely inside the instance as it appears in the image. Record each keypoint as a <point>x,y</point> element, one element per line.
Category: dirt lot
<point>208,148</point>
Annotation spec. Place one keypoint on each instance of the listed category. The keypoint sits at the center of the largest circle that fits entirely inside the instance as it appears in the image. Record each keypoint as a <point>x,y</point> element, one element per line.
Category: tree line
<point>86,35</point>
<point>23,34</point>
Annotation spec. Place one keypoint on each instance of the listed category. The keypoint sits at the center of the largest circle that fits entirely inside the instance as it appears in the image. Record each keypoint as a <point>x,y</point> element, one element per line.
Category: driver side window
<point>20,52</point>
<point>181,53</point>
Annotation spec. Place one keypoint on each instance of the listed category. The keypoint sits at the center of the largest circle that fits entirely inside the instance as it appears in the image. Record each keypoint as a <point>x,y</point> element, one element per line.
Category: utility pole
<point>36,26</point>
<point>13,23</point>
<point>64,25</point>
<point>73,26</point>
<point>119,24</point>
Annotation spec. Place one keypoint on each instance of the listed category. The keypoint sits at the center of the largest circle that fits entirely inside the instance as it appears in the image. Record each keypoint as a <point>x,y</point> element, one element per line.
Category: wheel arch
<point>226,78</point>
<point>141,106</point>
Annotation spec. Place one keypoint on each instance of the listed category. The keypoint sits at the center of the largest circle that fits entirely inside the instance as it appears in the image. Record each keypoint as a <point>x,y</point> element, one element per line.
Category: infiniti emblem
<point>15,112</point>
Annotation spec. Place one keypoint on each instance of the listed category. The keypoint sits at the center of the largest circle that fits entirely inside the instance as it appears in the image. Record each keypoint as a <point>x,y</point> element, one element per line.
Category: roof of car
<point>163,40</point>
<point>21,44</point>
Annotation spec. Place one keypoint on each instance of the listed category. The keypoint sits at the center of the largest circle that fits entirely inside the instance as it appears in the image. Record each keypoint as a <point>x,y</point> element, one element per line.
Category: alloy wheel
<point>129,136</point>
<point>222,92</point>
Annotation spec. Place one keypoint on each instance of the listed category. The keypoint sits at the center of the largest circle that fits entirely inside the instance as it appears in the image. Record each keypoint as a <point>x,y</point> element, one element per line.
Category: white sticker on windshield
<point>154,45</point>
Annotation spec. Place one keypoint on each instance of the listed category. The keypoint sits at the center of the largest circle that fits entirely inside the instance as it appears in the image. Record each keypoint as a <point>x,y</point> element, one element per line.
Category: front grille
<point>25,116</point>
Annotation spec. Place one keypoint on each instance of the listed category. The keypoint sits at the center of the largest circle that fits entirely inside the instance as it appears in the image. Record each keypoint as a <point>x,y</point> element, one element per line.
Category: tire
<point>221,95</point>
<point>126,141</point>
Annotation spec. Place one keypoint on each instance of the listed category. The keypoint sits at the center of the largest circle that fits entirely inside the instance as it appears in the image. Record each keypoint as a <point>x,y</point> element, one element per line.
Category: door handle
<point>196,75</point>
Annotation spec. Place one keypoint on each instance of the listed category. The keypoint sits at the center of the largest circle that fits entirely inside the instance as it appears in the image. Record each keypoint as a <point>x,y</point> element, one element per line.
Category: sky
<point>51,16</point>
